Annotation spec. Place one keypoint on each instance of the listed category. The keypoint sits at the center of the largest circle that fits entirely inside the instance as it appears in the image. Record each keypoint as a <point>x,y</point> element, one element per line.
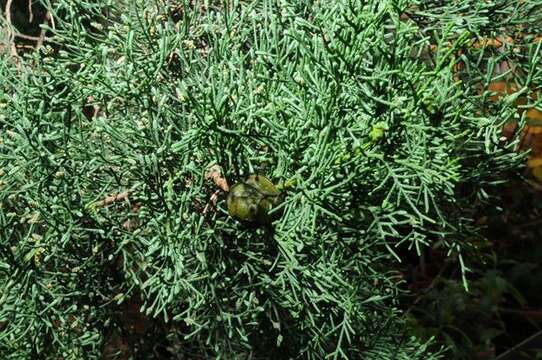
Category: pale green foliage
<point>292,90</point>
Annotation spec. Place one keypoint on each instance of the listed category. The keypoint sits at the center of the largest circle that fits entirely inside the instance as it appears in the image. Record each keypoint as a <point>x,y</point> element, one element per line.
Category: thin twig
<point>11,37</point>
<point>42,37</point>
<point>534,223</point>
<point>211,203</point>
<point>215,174</point>
<point>12,34</point>
<point>512,353</point>
<point>123,196</point>
<point>30,13</point>
<point>39,38</point>
<point>51,18</point>
<point>22,46</point>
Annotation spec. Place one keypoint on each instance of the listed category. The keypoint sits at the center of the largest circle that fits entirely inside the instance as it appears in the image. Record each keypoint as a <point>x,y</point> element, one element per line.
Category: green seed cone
<point>253,200</point>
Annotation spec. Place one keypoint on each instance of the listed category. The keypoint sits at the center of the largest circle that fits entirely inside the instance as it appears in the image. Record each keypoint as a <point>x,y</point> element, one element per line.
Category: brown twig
<point>23,46</point>
<point>51,19</point>
<point>30,13</point>
<point>11,37</point>
<point>13,33</point>
<point>215,174</point>
<point>39,38</point>
<point>48,18</point>
<point>123,196</point>
<point>211,203</point>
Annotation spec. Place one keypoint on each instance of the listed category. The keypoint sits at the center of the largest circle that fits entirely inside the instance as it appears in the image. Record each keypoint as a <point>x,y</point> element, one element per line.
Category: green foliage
<point>344,99</point>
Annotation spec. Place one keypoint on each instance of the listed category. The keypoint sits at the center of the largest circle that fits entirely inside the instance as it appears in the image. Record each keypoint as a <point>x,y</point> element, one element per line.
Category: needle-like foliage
<point>376,110</point>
